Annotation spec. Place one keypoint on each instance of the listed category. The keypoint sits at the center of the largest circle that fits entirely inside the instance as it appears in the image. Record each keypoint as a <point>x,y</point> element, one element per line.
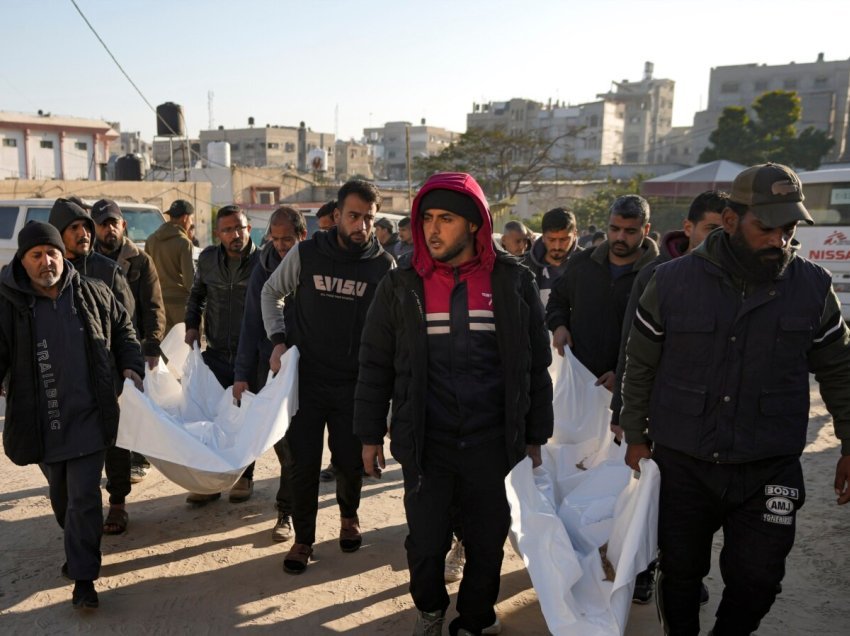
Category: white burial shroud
<point>581,499</point>
<point>193,432</point>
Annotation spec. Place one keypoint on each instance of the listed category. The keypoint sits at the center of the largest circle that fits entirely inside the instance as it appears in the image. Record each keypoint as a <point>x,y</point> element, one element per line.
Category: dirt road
<point>215,570</point>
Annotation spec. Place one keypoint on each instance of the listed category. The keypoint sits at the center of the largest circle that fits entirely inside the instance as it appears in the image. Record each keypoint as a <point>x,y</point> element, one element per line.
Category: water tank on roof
<point>169,120</point>
<point>128,168</point>
<point>218,154</point>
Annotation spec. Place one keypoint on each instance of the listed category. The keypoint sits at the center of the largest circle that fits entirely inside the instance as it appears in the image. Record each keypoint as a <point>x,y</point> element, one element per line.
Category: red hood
<point>461,182</point>
<point>674,244</point>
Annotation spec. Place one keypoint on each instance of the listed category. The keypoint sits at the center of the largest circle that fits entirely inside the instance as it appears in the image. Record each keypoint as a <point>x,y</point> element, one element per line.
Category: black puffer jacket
<point>220,298</point>
<point>394,363</point>
<point>111,345</point>
<point>591,305</point>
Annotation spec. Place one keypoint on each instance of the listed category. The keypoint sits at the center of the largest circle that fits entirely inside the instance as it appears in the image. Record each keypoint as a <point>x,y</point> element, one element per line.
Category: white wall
<point>78,161</point>
<point>12,163</point>
<point>44,162</point>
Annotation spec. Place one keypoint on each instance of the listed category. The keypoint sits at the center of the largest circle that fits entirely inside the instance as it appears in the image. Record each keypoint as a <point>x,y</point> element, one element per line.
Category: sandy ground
<point>215,569</point>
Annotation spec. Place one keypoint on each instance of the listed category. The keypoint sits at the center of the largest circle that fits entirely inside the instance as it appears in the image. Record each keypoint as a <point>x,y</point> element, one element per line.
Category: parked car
<point>142,221</point>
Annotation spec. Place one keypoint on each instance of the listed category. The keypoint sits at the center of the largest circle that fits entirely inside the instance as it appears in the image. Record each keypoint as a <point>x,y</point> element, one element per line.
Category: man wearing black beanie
<point>464,418</point>
<point>77,230</point>
<point>61,338</point>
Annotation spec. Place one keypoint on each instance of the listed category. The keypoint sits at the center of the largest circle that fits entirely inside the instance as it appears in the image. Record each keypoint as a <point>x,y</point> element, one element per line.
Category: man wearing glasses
<point>218,294</point>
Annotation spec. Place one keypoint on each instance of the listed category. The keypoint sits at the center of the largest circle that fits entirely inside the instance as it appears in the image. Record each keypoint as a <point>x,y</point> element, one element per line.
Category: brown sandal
<point>116,521</point>
<point>350,538</point>
<point>295,562</point>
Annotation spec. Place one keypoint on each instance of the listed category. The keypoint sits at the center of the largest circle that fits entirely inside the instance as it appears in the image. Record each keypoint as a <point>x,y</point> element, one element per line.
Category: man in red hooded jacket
<point>456,338</point>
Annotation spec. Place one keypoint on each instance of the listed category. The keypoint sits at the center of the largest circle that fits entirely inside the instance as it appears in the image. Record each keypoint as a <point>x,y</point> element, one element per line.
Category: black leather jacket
<point>218,295</point>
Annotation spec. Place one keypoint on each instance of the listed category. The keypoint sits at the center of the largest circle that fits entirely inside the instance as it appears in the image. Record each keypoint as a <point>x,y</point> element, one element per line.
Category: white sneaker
<point>455,560</point>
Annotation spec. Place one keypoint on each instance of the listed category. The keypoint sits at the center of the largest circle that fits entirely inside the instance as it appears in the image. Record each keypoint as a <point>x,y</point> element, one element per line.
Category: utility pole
<point>211,119</point>
<point>409,179</point>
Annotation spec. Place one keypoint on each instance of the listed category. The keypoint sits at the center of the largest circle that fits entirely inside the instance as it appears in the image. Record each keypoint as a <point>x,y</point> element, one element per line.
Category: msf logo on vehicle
<point>339,286</point>
<point>836,238</point>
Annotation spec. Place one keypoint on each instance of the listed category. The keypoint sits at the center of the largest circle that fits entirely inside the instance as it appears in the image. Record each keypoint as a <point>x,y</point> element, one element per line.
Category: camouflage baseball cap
<point>773,192</point>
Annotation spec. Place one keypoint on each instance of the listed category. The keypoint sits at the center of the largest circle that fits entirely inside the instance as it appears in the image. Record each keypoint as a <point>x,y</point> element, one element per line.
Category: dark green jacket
<point>719,369</point>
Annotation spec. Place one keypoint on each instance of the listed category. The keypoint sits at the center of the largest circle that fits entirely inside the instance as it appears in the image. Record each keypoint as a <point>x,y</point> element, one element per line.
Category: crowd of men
<point>430,333</point>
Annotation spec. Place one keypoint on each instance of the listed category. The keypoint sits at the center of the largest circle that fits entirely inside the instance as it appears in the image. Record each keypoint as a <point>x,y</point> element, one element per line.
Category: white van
<point>142,221</point>
<point>827,242</point>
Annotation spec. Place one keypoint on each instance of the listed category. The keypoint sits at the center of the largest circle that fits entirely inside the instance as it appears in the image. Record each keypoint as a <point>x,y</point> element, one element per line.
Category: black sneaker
<point>644,587</point>
<point>703,594</point>
<point>84,596</point>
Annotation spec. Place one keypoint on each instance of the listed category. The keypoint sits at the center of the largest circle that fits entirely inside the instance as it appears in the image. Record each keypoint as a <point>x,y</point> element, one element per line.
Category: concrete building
<point>295,148</point>
<point>589,132</point>
<point>130,143</point>
<point>390,142</point>
<point>824,89</point>
<point>353,158</point>
<point>45,146</point>
<point>515,116</point>
<point>677,146</point>
<point>181,153</point>
<point>648,115</point>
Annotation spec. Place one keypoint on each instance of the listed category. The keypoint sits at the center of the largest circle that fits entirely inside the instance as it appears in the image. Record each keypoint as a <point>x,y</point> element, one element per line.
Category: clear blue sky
<point>283,62</point>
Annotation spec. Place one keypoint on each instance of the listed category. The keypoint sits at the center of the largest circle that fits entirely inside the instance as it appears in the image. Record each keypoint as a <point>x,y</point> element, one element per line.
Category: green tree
<point>771,135</point>
<point>774,132</point>
<point>732,139</point>
<point>504,164</point>
<point>812,145</point>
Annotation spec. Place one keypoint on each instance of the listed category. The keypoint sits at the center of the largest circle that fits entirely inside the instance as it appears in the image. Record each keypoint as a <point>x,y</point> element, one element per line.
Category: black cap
<point>181,207</point>
<point>451,201</point>
<point>773,193</point>
<point>34,234</point>
<point>105,209</point>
